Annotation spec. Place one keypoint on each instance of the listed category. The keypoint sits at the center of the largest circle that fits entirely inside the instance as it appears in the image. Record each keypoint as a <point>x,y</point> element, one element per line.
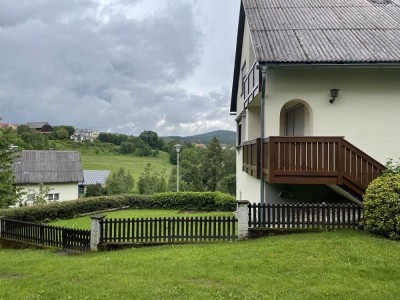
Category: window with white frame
<point>243,71</point>
<point>240,129</point>
<point>53,197</point>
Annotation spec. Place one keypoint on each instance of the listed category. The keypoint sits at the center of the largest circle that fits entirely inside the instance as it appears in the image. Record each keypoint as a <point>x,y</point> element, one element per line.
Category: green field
<point>113,162</point>
<point>330,265</point>
<point>84,222</point>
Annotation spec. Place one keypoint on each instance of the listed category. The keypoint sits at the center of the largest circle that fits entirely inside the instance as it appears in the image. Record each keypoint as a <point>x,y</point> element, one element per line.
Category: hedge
<point>69,209</point>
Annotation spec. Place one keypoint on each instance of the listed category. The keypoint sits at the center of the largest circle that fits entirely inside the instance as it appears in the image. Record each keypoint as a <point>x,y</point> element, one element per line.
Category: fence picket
<point>305,216</point>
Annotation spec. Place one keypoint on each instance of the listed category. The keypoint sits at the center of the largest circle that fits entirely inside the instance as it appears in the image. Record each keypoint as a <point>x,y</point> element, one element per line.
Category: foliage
<point>40,197</point>
<point>119,182</point>
<point>151,182</point>
<point>392,166</point>
<point>29,139</point>
<point>9,195</point>
<point>228,184</point>
<point>95,190</point>
<point>213,165</point>
<point>151,139</point>
<point>208,201</point>
<point>62,134</point>
<point>126,148</point>
<point>70,209</point>
<point>382,204</point>
<point>113,138</point>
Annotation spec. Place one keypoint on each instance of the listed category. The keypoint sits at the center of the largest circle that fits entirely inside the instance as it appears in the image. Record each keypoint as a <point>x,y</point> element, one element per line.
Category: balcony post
<point>340,161</point>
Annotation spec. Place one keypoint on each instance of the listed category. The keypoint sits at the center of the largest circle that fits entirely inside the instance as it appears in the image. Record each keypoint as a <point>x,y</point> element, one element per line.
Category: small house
<point>60,171</point>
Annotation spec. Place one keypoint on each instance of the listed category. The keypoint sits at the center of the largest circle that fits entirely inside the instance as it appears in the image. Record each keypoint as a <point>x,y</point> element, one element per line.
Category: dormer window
<point>243,70</point>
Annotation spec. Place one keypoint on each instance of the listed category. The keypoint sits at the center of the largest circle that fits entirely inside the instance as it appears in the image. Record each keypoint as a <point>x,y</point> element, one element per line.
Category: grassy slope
<point>84,222</point>
<point>135,164</point>
<point>334,265</point>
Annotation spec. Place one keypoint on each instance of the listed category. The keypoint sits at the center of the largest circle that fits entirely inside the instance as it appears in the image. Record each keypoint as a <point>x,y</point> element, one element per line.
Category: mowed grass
<point>330,265</point>
<point>133,164</point>
<point>113,162</point>
<point>84,222</point>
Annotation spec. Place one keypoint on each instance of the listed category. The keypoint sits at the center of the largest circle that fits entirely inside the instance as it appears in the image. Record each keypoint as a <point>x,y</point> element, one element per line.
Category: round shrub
<point>382,206</point>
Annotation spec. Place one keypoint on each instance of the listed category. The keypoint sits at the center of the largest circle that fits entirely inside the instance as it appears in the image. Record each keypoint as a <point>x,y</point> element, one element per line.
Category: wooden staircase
<point>311,160</point>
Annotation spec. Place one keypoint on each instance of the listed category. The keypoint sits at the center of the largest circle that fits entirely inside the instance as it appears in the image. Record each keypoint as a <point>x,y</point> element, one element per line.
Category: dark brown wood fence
<point>305,216</point>
<point>40,234</point>
<point>168,230</point>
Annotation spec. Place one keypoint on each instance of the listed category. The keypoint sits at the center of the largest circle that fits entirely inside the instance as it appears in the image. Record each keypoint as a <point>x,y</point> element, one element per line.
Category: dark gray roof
<point>36,125</point>
<point>36,166</point>
<point>324,31</point>
<point>95,176</point>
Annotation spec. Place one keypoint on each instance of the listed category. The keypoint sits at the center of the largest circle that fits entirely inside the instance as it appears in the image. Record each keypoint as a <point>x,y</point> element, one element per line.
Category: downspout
<point>263,68</point>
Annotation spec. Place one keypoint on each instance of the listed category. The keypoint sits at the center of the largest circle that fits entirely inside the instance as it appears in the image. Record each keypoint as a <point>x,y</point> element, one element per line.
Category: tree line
<point>210,169</point>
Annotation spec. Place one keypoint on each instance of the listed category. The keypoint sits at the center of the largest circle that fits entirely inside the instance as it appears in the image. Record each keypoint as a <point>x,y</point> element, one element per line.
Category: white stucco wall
<point>67,191</point>
<point>247,187</point>
<point>366,112</point>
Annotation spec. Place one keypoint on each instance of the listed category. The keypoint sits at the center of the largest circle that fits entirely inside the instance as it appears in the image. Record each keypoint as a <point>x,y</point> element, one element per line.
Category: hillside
<point>224,137</point>
<point>112,161</point>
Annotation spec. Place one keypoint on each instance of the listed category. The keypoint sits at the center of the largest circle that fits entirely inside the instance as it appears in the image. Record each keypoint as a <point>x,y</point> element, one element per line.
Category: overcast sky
<point>119,65</point>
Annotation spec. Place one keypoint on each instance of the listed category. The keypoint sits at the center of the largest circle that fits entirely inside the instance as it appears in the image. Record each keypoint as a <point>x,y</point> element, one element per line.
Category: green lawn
<point>84,222</point>
<point>113,162</point>
<point>332,265</point>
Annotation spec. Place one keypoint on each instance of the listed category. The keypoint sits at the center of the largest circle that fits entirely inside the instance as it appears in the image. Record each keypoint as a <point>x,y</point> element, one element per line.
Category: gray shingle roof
<point>36,125</point>
<point>36,166</point>
<point>95,176</point>
<point>324,31</point>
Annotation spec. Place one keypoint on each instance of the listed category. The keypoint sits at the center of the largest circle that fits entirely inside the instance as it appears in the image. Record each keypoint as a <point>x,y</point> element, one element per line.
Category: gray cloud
<point>90,64</point>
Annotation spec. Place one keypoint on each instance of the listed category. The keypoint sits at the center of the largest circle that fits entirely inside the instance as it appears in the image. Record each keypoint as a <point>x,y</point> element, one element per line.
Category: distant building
<point>81,135</point>
<point>43,127</point>
<point>93,177</point>
<point>200,146</point>
<point>61,171</point>
<point>7,125</point>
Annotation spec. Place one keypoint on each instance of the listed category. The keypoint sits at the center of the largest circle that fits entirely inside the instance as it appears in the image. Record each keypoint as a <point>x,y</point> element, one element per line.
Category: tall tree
<point>119,182</point>
<point>151,182</point>
<point>213,165</point>
<point>9,195</point>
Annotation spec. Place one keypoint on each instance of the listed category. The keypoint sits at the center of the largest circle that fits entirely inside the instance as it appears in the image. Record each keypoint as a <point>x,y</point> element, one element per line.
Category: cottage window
<point>53,197</point>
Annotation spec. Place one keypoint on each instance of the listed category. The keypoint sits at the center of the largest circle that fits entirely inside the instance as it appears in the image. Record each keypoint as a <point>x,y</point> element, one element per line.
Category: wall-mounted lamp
<point>334,94</point>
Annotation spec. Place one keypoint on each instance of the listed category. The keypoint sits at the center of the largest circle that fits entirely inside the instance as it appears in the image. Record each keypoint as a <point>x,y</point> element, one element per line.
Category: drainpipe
<point>263,68</point>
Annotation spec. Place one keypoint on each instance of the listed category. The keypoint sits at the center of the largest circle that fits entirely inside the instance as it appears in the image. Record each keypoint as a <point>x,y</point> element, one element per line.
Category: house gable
<point>320,33</point>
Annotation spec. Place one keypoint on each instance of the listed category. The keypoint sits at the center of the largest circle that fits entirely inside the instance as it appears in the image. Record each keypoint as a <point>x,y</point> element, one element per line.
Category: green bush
<point>209,201</point>
<point>382,206</point>
<point>70,209</point>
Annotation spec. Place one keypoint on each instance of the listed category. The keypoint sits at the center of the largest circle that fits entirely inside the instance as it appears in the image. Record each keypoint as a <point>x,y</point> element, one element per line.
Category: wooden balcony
<point>311,160</point>
<point>251,84</point>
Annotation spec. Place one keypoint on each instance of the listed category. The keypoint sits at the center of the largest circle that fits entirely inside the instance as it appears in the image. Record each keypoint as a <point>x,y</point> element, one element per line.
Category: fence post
<point>95,231</point>
<point>1,228</point>
<point>243,219</point>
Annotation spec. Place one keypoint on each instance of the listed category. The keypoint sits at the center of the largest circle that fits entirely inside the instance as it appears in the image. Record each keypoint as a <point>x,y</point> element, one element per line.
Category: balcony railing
<point>311,160</point>
<point>251,84</point>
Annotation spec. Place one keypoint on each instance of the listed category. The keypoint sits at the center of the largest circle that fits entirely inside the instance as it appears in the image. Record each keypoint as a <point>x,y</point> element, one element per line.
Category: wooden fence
<point>305,216</point>
<point>46,235</point>
<point>168,230</point>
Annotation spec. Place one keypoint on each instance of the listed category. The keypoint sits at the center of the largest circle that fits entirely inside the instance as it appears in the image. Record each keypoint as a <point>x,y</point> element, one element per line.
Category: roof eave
<point>238,57</point>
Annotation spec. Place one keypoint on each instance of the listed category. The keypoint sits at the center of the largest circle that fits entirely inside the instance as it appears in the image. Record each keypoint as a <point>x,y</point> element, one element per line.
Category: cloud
<point>95,64</point>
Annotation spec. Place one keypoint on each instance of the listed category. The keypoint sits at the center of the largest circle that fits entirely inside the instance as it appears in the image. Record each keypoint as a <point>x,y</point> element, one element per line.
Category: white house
<point>317,97</point>
<point>61,171</point>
